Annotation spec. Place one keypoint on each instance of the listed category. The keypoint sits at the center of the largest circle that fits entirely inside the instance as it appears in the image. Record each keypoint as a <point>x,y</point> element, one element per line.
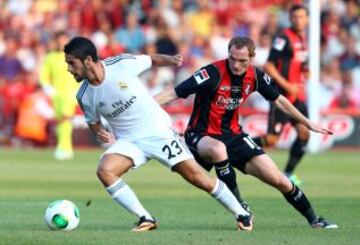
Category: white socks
<point>222,193</point>
<point>123,195</point>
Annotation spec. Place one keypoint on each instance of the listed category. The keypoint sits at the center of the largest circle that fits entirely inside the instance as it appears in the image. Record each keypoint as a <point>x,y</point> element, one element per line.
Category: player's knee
<point>107,172</point>
<point>304,135</point>
<point>283,184</point>
<point>216,151</point>
<point>271,140</point>
<point>103,173</point>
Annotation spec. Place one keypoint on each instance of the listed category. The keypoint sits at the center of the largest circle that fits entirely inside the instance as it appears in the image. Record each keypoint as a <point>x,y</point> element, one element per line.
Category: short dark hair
<point>297,7</point>
<point>241,42</point>
<point>81,48</point>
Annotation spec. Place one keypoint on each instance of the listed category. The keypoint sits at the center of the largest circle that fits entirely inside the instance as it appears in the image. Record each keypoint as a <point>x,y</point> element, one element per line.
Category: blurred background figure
<point>287,65</point>
<point>61,87</point>
<point>10,88</point>
<point>34,114</point>
<point>131,35</point>
<point>348,96</point>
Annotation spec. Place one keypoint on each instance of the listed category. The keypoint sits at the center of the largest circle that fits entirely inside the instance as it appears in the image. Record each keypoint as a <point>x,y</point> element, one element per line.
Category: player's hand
<point>105,137</point>
<point>318,129</point>
<point>177,59</point>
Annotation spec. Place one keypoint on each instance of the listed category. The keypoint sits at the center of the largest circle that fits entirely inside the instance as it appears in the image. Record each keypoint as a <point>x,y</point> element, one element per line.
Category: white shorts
<point>166,147</point>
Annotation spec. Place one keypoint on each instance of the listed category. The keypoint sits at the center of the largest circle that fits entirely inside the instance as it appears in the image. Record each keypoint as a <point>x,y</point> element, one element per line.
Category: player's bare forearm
<point>284,105</point>
<point>271,70</point>
<point>166,60</point>
<point>166,96</point>
<point>101,133</point>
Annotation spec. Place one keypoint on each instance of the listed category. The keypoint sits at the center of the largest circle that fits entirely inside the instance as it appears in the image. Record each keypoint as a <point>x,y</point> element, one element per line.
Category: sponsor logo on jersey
<point>232,88</point>
<point>201,76</point>
<point>120,107</point>
<point>301,56</point>
<point>228,103</point>
<point>225,88</point>
<point>123,85</point>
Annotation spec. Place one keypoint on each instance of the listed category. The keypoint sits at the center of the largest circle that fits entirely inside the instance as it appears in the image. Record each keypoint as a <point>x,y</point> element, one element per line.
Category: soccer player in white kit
<point>142,130</point>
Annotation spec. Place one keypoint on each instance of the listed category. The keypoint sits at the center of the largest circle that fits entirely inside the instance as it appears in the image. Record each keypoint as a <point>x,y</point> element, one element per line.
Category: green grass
<point>29,180</point>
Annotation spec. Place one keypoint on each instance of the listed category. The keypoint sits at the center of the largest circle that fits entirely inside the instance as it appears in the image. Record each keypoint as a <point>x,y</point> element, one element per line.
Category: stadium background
<point>199,30</point>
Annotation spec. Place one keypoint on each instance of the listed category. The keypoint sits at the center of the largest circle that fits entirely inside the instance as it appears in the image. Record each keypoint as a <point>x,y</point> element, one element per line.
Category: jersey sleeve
<point>204,80</point>
<point>143,63</point>
<point>279,45</point>
<point>266,86</point>
<point>91,116</point>
<point>133,64</point>
<point>90,113</point>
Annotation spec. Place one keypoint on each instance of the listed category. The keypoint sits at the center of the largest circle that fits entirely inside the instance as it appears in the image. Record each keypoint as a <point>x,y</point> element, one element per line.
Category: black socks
<point>300,202</point>
<point>297,151</point>
<point>227,175</point>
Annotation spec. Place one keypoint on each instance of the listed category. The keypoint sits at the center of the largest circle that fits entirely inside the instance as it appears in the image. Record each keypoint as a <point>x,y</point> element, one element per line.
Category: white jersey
<point>123,100</point>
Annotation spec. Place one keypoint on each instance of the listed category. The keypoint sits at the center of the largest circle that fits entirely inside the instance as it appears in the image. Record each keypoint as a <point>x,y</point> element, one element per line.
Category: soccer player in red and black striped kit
<point>214,135</point>
<point>287,65</point>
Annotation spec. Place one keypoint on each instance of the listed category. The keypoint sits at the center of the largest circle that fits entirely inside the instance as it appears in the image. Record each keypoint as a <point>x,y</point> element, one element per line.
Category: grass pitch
<point>31,179</point>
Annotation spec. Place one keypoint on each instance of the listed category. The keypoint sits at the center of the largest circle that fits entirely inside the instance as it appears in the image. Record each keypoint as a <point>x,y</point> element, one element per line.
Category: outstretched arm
<point>166,60</point>
<point>166,96</point>
<point>283,104</point>
<point>205,79</point>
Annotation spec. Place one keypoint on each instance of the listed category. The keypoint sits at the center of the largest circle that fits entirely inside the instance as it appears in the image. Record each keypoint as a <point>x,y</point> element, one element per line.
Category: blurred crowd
<point>198,29</point>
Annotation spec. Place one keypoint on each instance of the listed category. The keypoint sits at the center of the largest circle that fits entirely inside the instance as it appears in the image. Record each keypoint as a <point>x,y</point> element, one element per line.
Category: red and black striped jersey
<point>289,53</point>
<point>219,94</point>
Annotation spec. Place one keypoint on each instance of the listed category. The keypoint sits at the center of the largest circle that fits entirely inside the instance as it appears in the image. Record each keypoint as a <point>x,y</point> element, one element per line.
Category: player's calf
<point>194,174</point>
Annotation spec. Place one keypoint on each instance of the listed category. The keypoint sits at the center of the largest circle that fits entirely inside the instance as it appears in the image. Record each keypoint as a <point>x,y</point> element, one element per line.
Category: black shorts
<point>277,118</point>
<point>240,148</point>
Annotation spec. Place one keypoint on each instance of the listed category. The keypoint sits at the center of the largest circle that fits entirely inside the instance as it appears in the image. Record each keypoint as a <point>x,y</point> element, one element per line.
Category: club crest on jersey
<point>123,85</point>
<point>248,89</point>
<point>201,76</point>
